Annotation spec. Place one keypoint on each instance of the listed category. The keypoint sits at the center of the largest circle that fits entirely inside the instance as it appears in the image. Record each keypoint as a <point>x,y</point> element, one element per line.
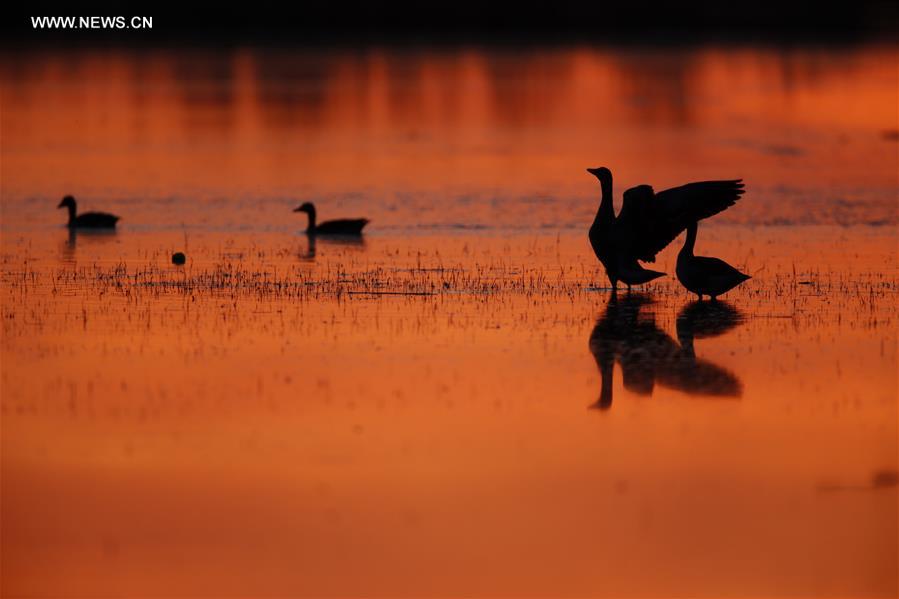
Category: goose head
<point>306,207</point>
<point>602,173</point>
<point>67,202</point>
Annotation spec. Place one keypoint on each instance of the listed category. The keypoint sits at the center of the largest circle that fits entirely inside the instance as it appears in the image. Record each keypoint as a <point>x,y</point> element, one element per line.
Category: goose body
<point>649,221</point>
<point>343,226</point>
<point>87,220</point>
<point>703,275</point>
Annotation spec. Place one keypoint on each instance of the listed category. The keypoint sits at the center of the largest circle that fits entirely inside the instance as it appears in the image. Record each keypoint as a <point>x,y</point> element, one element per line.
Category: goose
<point>343,226</point>
<point>702,275</point>
<point>649,221</point>
<point>87,220</point>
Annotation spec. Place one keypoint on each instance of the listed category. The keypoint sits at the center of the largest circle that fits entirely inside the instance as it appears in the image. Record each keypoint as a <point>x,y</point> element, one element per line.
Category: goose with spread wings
<point>649,221</point>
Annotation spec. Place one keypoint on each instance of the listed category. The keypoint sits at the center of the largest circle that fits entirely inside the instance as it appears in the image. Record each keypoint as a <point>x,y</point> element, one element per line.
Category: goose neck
<point>606,212</point>
<point>690,242</point>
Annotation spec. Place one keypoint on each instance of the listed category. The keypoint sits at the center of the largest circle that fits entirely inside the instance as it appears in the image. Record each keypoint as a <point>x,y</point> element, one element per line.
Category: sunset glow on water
<point>421,412</point>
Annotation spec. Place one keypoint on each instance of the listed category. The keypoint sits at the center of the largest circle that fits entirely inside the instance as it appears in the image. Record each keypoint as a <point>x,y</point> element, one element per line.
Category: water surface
<point>453,406</point>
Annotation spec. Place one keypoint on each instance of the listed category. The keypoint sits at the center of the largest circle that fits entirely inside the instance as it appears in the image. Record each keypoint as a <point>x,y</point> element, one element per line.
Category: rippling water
<point>453,405</point>
<point>492,138</point>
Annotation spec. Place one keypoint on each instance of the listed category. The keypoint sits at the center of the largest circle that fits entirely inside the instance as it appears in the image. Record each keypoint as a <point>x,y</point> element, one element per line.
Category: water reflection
<point>292,87</point>
<point>701,320</point>
<point>207,92</point>
<point>353,242</point>
<point>400,123</point>
<point>91,236</point>
<point>658,86</point>
<point>648,355</point>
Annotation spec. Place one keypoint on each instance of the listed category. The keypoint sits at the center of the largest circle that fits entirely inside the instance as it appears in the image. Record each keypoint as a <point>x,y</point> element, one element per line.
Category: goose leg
<point>614,286</point>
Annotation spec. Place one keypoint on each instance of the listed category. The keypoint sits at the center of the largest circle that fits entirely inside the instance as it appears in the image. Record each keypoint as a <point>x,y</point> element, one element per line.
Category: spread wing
<point>656,221</point>
<point>636,205</point>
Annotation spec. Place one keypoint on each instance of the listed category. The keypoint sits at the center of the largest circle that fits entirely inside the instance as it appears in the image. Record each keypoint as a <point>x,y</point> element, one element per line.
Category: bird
<point>649,221</point>
<point>343,226</point>
<point>703,275</point>
<point>87,220</point>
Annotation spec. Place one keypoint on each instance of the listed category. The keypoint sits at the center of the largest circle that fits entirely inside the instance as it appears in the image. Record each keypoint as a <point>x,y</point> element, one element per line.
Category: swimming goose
<point>702,275</point>
<point>88,220</point>
<point>343,226</point>
<point>649,221</point>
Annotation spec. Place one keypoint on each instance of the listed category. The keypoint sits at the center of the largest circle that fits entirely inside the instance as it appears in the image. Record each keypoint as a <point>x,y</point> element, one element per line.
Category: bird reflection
<point>94,235</point>
<point>701,320</point>
<point>649,356</point>
<point>337,241</point>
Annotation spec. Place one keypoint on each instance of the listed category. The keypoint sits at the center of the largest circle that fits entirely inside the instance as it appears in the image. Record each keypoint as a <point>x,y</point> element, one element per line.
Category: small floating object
<point>88,220</point>
<point>178,258</point>
<point>343,226</point>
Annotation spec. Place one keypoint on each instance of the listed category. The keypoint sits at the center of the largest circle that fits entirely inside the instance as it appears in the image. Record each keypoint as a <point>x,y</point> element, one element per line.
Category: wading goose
<point>649,221</point>
<point>88,220</point>
<point>343,226</point>
<point>702,275</point>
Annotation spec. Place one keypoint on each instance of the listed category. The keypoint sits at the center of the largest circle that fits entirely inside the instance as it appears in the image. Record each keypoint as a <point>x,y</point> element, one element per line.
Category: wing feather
<point>671,210</point>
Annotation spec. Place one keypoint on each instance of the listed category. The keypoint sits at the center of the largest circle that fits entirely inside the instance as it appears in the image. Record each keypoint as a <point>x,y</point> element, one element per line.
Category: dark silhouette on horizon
<point>87,220</point>
<point>649,221</point>
<point>343,226</point>
<point>704,275</point>
<point>647,355</point>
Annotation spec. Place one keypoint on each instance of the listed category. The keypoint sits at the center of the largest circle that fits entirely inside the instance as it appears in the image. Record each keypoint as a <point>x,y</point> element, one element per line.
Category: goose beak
<point>297,209</point>
<point>62,204</point>
<point>600,172</point>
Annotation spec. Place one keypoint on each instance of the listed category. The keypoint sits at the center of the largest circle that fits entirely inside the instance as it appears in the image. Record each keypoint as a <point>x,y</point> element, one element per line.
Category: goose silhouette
<point>648,356</point>
<point>649,221</point>
<point>703,275</point>
<point>343,226</point>
<point>87,220</point>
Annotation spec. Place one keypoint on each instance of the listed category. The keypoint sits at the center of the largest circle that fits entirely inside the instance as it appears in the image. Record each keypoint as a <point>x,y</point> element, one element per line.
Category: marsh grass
<point>235,283</point>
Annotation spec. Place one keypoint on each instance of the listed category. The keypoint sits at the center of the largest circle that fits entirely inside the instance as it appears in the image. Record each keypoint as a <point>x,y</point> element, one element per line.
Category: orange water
<point>417,414</point>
